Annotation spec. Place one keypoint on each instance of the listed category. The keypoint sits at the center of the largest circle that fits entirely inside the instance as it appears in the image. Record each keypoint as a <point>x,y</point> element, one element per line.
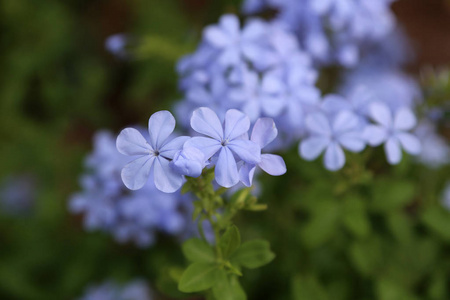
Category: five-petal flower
<point>331,137</point>
<point>226,141</point>
<point>392,130</point>
<point>154,155</point>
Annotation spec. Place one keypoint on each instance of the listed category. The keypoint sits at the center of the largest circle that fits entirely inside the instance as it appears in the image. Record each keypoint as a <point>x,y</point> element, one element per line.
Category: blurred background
<point>61,82</point>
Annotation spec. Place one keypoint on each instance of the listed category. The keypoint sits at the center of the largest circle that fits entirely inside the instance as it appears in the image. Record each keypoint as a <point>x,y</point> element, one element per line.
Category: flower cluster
<point>224,145</point>
<point>333,32</point>
<point>259,70</point>
<point>134,290</point>
<point>128,215</point>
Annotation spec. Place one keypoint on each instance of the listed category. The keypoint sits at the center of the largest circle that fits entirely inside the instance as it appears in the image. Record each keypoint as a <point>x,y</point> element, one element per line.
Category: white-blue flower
<point>154,155</point>
<point>391,129</point>
<point>331,136</point>
<point>226,140</point>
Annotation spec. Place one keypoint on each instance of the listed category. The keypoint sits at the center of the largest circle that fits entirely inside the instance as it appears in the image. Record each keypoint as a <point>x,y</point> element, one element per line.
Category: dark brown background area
<point>427,23</point>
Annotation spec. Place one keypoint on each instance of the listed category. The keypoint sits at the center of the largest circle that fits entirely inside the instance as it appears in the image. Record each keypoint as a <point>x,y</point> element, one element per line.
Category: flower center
<point>224,142</point>
<point>154,152</point>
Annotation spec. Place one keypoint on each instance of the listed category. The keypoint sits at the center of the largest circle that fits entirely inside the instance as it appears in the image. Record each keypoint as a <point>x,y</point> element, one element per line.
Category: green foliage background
<point>368,232</point>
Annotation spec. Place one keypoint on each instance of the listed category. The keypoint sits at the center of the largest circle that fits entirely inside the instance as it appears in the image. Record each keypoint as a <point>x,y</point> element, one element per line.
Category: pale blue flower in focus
<point>331,136</point>
<point>392,130</point>
<point>263,133</point>
<point>225,141</point>
<point>153,156</point>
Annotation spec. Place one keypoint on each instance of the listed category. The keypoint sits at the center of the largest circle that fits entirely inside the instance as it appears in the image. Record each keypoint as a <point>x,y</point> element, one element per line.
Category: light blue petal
<point>160,125</point>
<point>311,148</point>
<point>404,119</point>
<point>272,164</point>
<point>381,113</point>
<point>216,37</point>
<point>272,105</point>
<point>335,103</point>
<point>334,158</point>
<point>345,121</point>
<point>410,143</point>
<point>166,179</point>
<point>246,173</point>
<point>135,174</point>
<point>318,123</point>
<point>205,121</point>
<point>208,146</point>
<point>393,151</point>
<point>226,169</point>
<point>246,150</point>
<point>230,24</point>
<point>171,147</point>
<point>375,135</point>
<point>236,123</point>
<point>131,142</point>
<point>264,132</point>
<point>352,141</point>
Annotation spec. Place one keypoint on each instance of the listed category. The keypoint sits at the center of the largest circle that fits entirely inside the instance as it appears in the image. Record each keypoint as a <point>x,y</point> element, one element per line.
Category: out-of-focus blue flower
<point>226,141</point>
<point>259,69</point>
<point>116,44</point>
<point>388,85</point>
<point>154,155</point>
<point>446,196</point>
<point>18,194</point>
<point>391,129</point>
<point>331,136</point>
<point>332,31</point>
<point>135,290</point>
<point>435,149</point>
<point>130,216</point>
<point>190,162</point>
<point>264,132</point>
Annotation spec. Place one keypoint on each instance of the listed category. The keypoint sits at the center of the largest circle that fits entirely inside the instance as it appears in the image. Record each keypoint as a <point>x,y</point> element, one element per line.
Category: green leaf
<point>226,288</point>
<point>230,241</point>
<point>197,250</point>
<point>198,277</point>
<point>253,254</point>
<point>438,220</point>
<point>355,217</point>
<point>389,195</point>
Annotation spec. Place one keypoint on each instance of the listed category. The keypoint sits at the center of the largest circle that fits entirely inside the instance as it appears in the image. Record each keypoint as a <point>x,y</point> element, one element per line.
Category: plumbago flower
<point>130,216</point>
<point>259,69</point>
<point>391,129</point>
<point>154,155</point>
<point>134,290</point>
<point>331,136</point>
<point>333,32</point>
<point>264,132</point>
<point>224,142</point>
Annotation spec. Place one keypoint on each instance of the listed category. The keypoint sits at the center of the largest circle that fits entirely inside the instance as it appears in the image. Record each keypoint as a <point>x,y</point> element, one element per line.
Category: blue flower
<point>226,141</point>
<point>264,132</point>
<point>154,155</point>
<point>435,149</point>
<point>130,216</point>
<point>331,137</point>
<point>446,196</point>
<point>190,162</point>
<point>392,130</point>
<point>333,32</point>
<point>134,290</point>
